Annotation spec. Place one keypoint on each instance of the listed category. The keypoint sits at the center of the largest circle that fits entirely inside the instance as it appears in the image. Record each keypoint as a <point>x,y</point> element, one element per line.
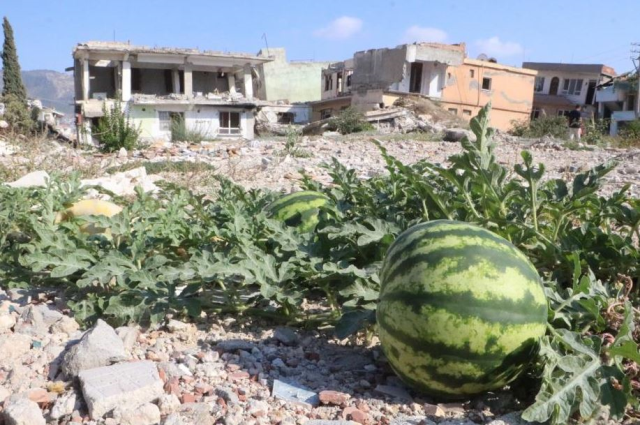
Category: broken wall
<point>379,68</point>
<point>291,81</point>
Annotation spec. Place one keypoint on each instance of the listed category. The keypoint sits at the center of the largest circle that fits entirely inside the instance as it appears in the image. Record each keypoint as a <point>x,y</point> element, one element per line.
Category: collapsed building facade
<point>210,92</point>
<point>377,78</point>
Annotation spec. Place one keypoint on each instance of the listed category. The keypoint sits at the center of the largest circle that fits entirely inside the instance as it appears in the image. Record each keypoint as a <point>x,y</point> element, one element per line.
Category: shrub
<point>350,121</point>
<point>180,132</point>
<point>595,131</point>
<point>114,129</point>
<point>17,115</point>
<point>544,126</point>
<point>631,131</point>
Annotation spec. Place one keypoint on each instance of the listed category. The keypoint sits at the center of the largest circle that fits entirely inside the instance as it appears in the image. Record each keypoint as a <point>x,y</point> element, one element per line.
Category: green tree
<point>11,67</point>
<point>17,114</point>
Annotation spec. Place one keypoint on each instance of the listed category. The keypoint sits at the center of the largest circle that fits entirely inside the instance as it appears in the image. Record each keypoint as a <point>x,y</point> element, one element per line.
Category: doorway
<point>591,91</point>
<point>415,82</point>
<point>553,88</point>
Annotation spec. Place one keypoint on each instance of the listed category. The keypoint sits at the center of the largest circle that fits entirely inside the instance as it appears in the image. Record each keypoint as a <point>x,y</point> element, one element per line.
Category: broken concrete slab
<point>106,388</point>
<point>34,179</point>
<point>100,346</point>
<point>294,393</point>
<point>19,410</point>
<point>124,183</point>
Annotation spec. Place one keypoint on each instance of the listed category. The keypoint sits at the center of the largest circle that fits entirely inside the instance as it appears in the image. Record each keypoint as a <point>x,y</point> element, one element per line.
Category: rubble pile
<point>222,370</point>
<point>266,163</point>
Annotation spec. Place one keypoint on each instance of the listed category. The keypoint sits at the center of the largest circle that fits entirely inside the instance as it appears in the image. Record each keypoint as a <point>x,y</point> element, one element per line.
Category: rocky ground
<point>223,370</point>
<point>229,370</point>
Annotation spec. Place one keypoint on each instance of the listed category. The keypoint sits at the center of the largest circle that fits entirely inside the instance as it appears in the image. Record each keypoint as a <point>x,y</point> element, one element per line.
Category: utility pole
<point>636,51</point>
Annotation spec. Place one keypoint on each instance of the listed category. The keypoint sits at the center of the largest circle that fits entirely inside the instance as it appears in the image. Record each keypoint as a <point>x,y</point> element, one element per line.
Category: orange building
<point>474,83</point>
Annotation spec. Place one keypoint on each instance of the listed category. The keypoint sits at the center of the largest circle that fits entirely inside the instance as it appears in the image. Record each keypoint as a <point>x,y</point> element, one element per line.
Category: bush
<point>114,129</point>
<point>17,115</point>
<point>631,131</point>
<point>180,132</point>
<point>595,131</point>
<point>350,121</point>
<point>544,126</point>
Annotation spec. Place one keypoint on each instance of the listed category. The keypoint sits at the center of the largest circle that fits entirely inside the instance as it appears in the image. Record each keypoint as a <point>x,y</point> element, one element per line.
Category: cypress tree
<point>11,67</point>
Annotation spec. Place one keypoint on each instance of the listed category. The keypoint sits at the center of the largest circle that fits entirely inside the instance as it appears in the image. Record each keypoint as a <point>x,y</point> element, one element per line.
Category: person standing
<point>575,122</point>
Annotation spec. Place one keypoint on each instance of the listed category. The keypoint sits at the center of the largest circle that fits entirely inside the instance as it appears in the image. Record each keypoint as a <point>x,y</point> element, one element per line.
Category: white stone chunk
<point>106,388</point>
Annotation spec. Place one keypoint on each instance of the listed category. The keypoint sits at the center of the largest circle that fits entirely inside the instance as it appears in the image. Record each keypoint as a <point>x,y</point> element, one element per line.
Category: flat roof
<point>587,68</point>
<point>495,65</point>
<point>120,47</point>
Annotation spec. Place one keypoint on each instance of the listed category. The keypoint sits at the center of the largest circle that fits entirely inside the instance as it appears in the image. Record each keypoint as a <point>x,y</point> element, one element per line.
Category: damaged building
<point>377,78</point>
<point>211,92</point>
<point>618,101</point>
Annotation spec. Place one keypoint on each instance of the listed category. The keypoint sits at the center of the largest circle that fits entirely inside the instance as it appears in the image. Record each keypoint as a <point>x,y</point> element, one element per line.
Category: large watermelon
<point>299,209</point>
<point>461,309</point>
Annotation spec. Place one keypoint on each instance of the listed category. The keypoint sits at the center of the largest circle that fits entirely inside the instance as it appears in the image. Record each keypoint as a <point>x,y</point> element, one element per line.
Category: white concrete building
<point>211,91</point>
<point>559,87</point>
<point>618,102</point>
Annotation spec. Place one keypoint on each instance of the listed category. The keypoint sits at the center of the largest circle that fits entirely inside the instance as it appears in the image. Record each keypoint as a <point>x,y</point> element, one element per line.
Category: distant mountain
<point>54,89</point>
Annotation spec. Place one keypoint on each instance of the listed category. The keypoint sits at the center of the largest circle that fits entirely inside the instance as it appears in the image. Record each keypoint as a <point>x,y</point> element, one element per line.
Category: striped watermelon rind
<point>461,309</point>
<point>299,209</point>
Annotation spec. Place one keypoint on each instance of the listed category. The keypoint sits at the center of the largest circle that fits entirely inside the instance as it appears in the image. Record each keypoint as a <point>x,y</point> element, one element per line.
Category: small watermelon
<point>461,309</point>
<point>299,209</point>
<point>89,207</point>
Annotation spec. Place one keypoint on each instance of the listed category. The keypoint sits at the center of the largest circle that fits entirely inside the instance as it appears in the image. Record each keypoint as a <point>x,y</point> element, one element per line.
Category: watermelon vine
<point>182,253</point>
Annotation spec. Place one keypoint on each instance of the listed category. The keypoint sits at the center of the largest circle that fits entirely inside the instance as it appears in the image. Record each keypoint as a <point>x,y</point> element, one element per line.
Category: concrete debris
<point>7,321</point>
<point>457,134</point>
<point>12,346</point>
<point>19,410</point>
<point>123,184</point>
<point>395,392</point>
<point>100,346</point>
<point>128,335</point>
<point>34,179</point>
<point>146,414</point>
<point>124,384</point>
<point>287,336</point>
<point>294,393</point>
<point>64,405</point>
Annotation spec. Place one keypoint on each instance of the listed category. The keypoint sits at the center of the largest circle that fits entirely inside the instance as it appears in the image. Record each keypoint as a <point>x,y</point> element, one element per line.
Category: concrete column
<point>232,83</point>
<point>248,82</point>
<point>117,74</point>
<point>126,81</point>
<point>175,74</point>
<point>85,79</point>
<point>188,81</point>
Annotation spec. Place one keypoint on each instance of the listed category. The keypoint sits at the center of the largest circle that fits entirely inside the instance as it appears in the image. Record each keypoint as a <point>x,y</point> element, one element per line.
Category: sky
<point>582,31</point>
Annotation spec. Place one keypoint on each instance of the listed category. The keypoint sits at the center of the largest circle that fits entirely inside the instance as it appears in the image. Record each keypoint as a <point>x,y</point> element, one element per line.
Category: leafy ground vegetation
<point>183,253</point>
